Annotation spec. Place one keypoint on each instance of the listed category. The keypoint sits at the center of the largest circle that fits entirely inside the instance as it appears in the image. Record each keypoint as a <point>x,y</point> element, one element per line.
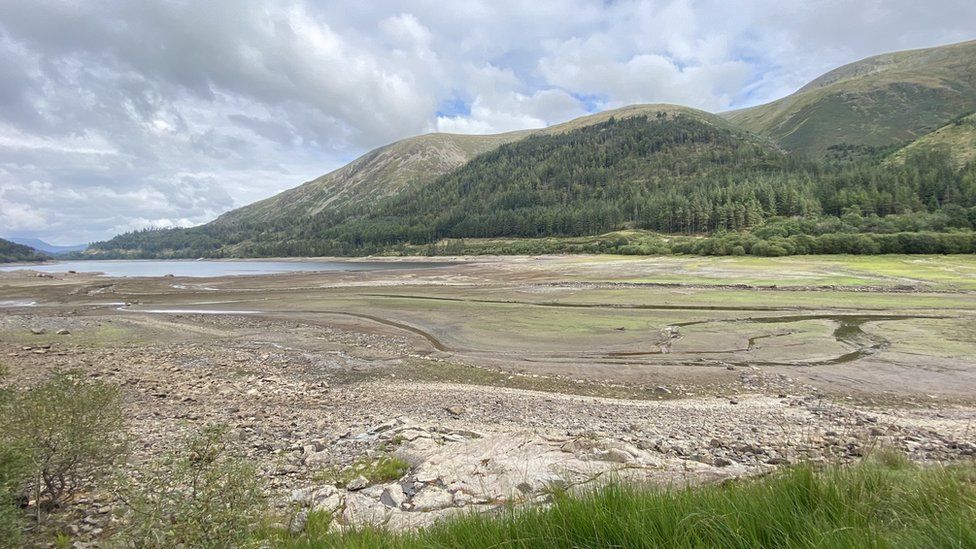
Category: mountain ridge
<point>877,101</point>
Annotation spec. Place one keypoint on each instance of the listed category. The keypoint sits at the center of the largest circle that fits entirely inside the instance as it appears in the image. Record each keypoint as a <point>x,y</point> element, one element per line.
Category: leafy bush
<point>198,496</point>
<point>70,430</point>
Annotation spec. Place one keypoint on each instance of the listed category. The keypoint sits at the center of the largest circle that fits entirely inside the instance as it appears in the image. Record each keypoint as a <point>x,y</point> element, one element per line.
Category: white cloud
<point>169,113</point>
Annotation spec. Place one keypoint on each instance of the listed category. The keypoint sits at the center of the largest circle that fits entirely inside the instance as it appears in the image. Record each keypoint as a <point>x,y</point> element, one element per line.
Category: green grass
<point>378,469</point>
<point>882,502</point>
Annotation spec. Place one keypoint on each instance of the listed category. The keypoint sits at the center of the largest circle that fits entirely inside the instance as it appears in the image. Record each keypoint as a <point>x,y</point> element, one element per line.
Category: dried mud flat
<point>504,379</point>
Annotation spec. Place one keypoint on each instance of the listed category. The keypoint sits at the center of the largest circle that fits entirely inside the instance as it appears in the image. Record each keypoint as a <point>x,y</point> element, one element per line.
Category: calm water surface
<point>211,268</point>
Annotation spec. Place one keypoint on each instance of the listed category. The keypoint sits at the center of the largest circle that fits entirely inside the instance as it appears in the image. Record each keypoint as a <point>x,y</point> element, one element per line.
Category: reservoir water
<point>212,268</point>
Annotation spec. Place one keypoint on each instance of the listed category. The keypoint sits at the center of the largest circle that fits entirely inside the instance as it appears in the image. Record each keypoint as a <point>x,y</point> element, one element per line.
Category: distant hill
<point>50,249</point>
<point>11,251</point>
<point>957,139</point>
<point>883,100</point>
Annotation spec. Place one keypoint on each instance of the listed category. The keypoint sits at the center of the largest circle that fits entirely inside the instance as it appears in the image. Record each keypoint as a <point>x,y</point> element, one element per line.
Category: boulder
<point>432,498</point>
<point>357,483</point>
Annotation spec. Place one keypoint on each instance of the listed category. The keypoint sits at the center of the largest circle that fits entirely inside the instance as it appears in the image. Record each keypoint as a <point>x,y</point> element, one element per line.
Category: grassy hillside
<point>375,175</point>
<point>10,251</point>
<point>957,139</point>
<point>882,100</point>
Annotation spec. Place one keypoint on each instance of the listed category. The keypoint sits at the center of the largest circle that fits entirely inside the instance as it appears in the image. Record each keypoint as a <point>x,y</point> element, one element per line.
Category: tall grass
<point>878,503</point>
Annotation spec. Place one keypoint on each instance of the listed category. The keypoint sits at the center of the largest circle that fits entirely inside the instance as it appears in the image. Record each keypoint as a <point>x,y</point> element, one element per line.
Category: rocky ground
<point>302,416</point>
<point>486,396</point>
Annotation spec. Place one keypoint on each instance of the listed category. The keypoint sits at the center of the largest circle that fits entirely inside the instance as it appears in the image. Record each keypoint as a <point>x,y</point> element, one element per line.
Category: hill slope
<point>377,174</point>
<point>11,251</point>
<point>957,139</point>
<point>46,248</point>
<point>405,164</point>
<point>882,100</point>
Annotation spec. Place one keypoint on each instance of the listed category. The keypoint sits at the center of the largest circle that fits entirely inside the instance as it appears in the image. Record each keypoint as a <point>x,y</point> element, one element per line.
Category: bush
<point>198,496</point>
<point>13,478</point>
<point>71,431</point>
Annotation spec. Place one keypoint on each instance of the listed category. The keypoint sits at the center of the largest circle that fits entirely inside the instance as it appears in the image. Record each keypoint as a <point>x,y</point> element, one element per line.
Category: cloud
<point>171,112</point>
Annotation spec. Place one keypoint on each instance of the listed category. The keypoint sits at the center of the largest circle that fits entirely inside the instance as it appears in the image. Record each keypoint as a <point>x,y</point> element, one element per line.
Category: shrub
<point>71,431</point>
<point>198,496</point>
<point>13,478</point>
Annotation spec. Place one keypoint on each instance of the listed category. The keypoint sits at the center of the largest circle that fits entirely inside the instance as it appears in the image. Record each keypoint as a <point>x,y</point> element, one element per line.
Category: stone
<point>361,510</point>
<point>432,498</point>
<point>662,390</point>
<point>298,522</point>
<point>455,411</point>
<point>317,459</point>
<point>63,332</point>
<point>393,496</point>
<point>357,483</point>
<point>38,331</point>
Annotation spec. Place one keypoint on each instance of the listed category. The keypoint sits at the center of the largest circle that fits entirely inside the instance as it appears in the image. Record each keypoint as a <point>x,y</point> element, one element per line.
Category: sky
<point>121,115</point>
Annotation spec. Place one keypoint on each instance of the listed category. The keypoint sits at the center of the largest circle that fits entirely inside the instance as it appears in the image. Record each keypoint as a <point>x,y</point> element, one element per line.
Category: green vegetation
<point>881,502</point>
<point>198,496</point>
<point>880,101</point>
<point>10,252</point>
<point>71,432</point>
<point>957,139</point>
<point>375,469</point>
<point>675,174</point>
<point>13,477</point>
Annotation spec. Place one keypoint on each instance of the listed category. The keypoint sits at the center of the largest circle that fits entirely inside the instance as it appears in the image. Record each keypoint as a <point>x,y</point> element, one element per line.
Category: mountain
<point>957,139</point>
<point>11,251</point>
<point>391,169</point>
<point>883,100</point>
<point>377,174</point>
<point>661,168</point>
<point>50,249</point>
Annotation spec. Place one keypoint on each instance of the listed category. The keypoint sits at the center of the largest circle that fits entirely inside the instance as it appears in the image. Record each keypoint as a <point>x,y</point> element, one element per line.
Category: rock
<point>733,401</point>
<point>722,462</point>
<point>432,498</point>
<point>357,483</point>
<point>38,331</point>
<point>361,510</point>
<point>393,496</point>
<point>662,390</point>
<point>298,522</point>
<point>63,332</point>
<point>455,411</point>
<point>613,455</point>
<point>317,459</point>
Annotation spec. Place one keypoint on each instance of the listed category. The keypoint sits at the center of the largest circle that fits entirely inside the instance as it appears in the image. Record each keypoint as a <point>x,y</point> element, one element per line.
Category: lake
<point>212,268</point>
